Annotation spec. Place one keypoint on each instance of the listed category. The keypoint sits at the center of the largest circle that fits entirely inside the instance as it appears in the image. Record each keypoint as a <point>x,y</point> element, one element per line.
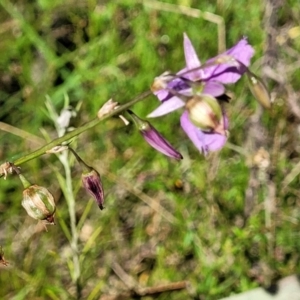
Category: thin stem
<point>69,196</point>
<point>78,131</point>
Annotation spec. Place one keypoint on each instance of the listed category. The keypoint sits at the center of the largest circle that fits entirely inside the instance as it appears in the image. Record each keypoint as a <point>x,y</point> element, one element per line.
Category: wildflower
<point>38,201</point>
<point>208,79</point>
<point>91,181</point>
<point>154,138</point>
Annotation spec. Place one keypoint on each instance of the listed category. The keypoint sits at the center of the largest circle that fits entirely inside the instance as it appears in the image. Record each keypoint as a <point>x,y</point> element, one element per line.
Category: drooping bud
<point>206,113</point>
<point>259,90</point>
<point>154,138</point>
<point>93,185</point>
<point>91,181</point>
<point>38,201</point>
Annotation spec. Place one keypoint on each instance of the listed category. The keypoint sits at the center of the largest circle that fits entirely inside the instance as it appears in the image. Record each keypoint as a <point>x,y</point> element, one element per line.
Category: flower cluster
<point>197,88</point>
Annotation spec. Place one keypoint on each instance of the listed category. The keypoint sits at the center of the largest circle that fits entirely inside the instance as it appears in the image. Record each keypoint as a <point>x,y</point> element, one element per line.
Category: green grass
<point>113,49</point>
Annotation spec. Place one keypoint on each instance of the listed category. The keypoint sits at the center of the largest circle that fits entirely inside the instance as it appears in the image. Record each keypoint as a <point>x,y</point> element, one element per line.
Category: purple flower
<point>208,80</point>
<point>154,138</point>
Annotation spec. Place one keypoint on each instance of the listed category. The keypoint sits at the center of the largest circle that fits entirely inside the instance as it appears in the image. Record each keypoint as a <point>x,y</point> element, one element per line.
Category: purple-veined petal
<point>226,73</point>
<point>204,141</point>
<point>214,88</point>
<point>167,107</point>
<point>177,85</point>
<point>191,59</point>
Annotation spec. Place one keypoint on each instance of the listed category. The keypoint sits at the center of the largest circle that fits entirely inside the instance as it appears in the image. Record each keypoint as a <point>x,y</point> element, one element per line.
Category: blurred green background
<point>225,223</point>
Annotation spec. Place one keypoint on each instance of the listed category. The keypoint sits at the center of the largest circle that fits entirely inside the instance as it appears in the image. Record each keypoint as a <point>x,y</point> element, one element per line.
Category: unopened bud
<point>39,203</point>
<point>259,90</point>
<point>205,113</point>
<point>91,180</point>
<point>93,185</point>
<point>154,138</point>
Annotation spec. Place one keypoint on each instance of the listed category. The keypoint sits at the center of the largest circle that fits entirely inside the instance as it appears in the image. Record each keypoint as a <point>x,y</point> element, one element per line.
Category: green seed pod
<point>259,90</point>
<point>39,203</point>
<point>204,112</point>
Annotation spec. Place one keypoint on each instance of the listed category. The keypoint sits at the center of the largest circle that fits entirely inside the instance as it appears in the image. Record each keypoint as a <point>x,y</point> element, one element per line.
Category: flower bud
<point>205,113</point>
<point>39,203</point>
<point>259,90</point>
<point>154,138</point>
<point>93,185</point>
<point>91,180</point>
<point>161,81</point>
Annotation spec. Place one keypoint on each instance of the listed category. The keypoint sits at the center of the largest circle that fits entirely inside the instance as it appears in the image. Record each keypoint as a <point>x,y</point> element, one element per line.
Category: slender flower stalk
<point>154,138</point>
<point>67,188</point>
<point>76,132</point>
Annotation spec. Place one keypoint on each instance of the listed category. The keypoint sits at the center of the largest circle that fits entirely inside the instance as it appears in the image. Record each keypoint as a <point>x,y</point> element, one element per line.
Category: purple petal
<point>214,88</point>
<point>167,107</point>
<point>158,142</point>
<point>204,141</point>
<point>226,73</point>
<point>93,185</point>
<point>191,59</point>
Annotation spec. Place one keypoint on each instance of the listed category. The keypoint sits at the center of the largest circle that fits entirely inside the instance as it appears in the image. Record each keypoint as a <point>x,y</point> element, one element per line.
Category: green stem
<point>70,198</point>
<point>78,131</point>
<point>83,165</point>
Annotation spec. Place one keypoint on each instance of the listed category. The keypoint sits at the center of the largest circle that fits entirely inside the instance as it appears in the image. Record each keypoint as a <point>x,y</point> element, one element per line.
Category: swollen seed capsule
<point>204,112</point>
<point>39,203</point>
<point>259,90</point>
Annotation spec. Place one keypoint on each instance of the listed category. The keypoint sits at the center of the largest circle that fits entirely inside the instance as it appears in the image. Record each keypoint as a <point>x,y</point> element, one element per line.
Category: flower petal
<point>191,59</point>
<point>204,141</point>
<point>177,85</point>
<point>214,88</point>
<point>167,107</point>
<point>226,73</point>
